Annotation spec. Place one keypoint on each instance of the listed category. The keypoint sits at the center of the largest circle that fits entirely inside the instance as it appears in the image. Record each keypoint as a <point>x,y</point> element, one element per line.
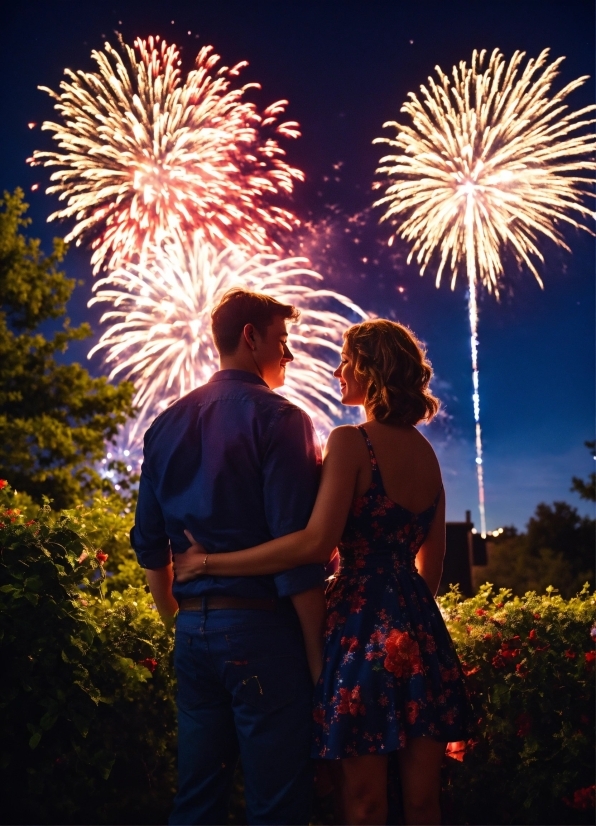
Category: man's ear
<point>249,336</point>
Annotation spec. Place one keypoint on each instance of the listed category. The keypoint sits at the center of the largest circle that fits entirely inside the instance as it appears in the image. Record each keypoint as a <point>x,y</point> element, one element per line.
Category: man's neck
<point>242,361</point>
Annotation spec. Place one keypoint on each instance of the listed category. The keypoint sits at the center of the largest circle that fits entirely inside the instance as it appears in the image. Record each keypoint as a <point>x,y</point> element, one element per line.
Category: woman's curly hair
<point>391,364</point>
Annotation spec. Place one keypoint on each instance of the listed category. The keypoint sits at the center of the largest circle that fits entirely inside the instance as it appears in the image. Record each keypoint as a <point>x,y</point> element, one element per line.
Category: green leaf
<point>47,721</point>
<point>34,740</point>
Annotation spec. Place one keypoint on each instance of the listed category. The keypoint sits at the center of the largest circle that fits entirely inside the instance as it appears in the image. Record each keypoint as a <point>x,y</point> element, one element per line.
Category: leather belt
<point>217,603</point>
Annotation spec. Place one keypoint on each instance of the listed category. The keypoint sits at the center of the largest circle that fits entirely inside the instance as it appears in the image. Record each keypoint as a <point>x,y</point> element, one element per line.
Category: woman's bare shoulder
<point>345,437</point>
<point>426,451</point>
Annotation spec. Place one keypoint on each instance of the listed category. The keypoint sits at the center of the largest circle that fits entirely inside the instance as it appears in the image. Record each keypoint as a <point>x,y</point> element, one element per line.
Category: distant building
<point>464,548</point>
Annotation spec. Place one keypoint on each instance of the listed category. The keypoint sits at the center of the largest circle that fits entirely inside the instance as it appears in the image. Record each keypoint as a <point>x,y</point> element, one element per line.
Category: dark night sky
<point>346,67</point>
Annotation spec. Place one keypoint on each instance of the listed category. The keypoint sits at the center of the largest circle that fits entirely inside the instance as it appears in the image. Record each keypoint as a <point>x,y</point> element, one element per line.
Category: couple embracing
<point>233,470</point>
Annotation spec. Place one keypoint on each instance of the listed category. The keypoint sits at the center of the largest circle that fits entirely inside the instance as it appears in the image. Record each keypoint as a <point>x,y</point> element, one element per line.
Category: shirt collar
<point>238,375</point>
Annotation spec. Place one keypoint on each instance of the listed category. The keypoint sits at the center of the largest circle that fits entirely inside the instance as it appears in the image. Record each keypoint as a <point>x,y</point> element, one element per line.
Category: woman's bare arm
<point>429,559</point>
<point>313,544</point>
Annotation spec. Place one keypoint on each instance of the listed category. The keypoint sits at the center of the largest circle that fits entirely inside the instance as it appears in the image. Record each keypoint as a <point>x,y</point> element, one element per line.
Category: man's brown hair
<point>239,307</point>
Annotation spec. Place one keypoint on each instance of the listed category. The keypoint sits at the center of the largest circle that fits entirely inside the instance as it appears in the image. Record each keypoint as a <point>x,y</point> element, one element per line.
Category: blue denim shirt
<point>236,465</point>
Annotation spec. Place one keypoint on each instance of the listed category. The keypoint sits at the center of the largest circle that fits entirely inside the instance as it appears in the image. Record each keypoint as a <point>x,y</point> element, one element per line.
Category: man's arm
<point>311,610</point>
<point>152,547</point>
<point>160,584</point>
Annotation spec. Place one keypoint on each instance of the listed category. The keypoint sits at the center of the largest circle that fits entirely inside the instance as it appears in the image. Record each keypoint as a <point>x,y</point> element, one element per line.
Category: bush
<point>87,691</point>
<point>107,523</point>
<point>530,668</point>
<point>87,694</point>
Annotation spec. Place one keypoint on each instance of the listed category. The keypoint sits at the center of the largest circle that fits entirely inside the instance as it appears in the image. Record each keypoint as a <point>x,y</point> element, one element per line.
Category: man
<point>235,464</point>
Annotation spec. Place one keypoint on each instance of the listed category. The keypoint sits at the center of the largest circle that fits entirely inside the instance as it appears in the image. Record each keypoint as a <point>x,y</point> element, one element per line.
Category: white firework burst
<point>160,325</point>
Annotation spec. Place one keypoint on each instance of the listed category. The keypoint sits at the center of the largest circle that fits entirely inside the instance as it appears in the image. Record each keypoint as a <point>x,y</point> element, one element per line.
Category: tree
<point>54,418</point>
<point>587,490</point>
<point>556,549</point>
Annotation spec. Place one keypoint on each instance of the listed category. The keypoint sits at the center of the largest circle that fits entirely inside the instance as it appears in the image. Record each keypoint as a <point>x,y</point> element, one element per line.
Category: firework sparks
<point>145,155</point>
<point>160,324</point>
<point>490,161</point>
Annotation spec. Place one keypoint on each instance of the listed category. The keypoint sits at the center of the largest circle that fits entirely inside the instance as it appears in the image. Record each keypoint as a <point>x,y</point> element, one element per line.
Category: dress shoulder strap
<point>376,473</point>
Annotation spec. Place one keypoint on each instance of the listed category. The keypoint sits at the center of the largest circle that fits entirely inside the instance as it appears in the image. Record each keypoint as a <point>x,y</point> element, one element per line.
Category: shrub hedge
<point>87,691</point>
<point>530,667</point>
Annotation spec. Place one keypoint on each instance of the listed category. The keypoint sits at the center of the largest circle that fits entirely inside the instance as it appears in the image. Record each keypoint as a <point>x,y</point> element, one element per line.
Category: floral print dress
<point>390,668</point>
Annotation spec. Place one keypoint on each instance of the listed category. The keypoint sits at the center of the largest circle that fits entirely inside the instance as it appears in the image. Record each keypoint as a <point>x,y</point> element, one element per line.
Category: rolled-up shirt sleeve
<point>291,473</point>
<point>148,536</point>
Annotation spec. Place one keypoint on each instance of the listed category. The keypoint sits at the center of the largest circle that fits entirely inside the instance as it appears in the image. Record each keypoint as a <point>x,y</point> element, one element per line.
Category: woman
<point>391,681</point>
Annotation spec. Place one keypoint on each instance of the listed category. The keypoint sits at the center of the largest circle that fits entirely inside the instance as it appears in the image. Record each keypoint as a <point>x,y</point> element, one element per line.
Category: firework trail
<point>145,155</point>
<point>160,324</point>
<point>490,161</point>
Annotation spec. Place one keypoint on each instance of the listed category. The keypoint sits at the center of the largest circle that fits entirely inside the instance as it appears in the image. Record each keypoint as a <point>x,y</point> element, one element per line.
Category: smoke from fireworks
<point>490,161</point>
<point>160,324</point>
<point>145,155</point>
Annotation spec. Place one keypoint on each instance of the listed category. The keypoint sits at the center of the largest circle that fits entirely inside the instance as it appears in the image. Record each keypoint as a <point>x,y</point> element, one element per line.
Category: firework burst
<point>145,155</point>
<point>489,161</point>
<point>160,324</point>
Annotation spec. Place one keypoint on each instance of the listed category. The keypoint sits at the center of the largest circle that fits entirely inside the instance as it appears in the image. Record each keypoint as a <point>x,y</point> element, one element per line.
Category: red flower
<point>487,637</point>
<point>456,750</point>
<point>521,669</point>
<point>357,602</point>
<point>536,616</point>
<point>403,655</point>
<point>351,643</point>
<point>498,661</point>
<point>350,702</point>
<point>499,604</point>
<point>590,656</point>
<point>149,663</point>
<point>583,799</point>
<point>3,483</point>
<point>318,715</point>
<point>480,612</point>
<point>412,710</point>
<point>570,654</point>
<point>524,724</point>
<point>533,634</point>
<point>101,557</point>
<point>332,620</point>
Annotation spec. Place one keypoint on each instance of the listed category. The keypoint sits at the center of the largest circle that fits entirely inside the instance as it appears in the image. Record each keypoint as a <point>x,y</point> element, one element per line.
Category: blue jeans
<point>244,688</point>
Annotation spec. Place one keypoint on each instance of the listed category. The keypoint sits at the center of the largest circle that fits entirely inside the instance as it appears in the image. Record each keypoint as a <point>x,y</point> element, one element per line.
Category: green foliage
<point>587,490</point>
<point>530,668</point>
<point>87,694</point>
<point>557,549</point>
<point>108,522</point>
<point>54,418</point>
